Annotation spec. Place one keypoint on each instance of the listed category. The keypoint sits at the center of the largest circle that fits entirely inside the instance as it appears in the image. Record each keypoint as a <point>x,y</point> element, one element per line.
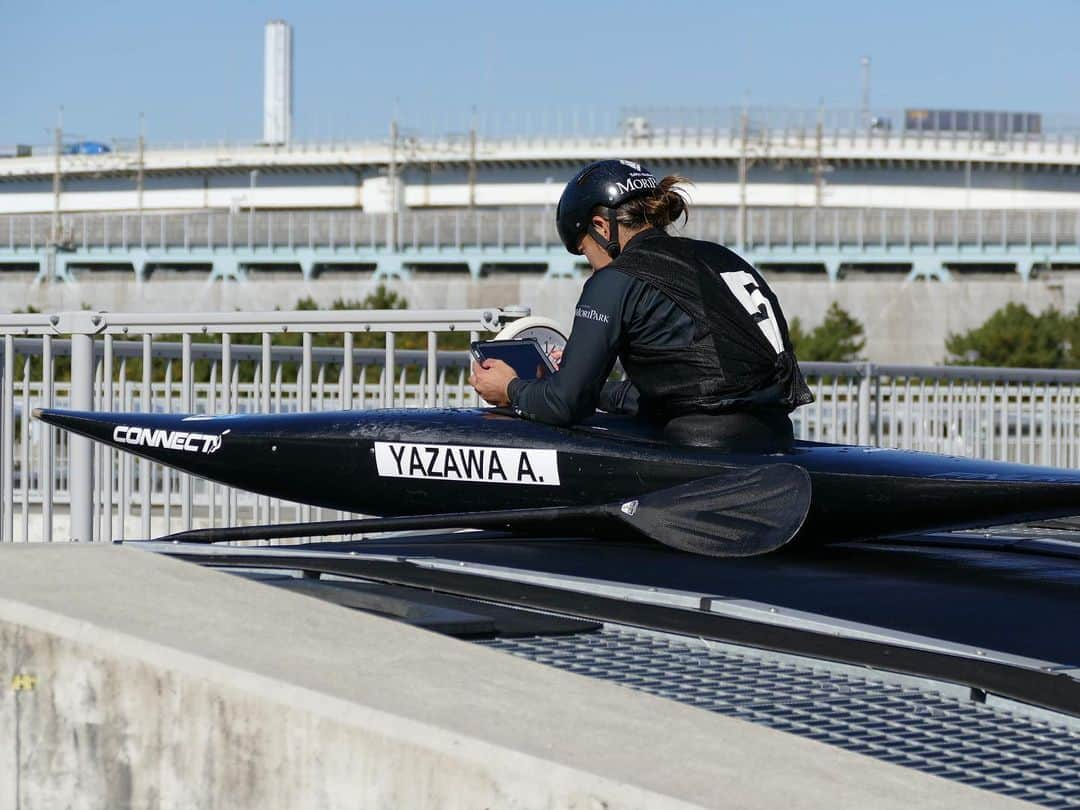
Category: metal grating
<point>981,745</point>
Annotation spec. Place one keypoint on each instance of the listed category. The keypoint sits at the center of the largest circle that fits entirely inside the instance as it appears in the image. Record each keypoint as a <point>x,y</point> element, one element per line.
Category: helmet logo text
<point>636,184</point>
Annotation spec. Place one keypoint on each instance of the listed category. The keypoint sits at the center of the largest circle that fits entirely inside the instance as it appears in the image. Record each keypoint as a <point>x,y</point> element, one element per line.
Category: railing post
<point>388,371</point>
<point>305,373</point>
<point>146,405</point>
<point>107,453</point>
<point>865,380</point>
<point>81,453</point>
<point>432,368</point>
<point>7,433</point>
<point>48,468</point>
<point>264,378</point>
<point>186,500</point>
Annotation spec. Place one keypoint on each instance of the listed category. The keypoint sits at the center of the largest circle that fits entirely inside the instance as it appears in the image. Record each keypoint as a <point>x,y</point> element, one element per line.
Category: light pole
<point>864,105</point>
<point>253,175</point>
<point>472,160</point>
<point>140,169</point>
<point>55,237</point>
<point>58,150</point>
<point>391,191</point>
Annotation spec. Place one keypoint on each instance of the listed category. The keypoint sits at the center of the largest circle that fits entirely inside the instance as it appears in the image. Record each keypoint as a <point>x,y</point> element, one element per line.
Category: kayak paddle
<point>740,512</point>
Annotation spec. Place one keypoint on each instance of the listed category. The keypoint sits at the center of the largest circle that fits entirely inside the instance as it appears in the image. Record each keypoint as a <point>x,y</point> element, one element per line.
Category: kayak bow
<point>413,462</point>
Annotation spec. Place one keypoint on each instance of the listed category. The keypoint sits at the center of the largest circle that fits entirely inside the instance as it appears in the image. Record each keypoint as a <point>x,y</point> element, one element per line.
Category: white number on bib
<point>746,289</point>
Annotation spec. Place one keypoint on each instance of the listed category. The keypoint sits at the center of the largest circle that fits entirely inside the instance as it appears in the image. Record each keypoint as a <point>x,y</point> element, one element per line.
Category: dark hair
<point>659,208</point>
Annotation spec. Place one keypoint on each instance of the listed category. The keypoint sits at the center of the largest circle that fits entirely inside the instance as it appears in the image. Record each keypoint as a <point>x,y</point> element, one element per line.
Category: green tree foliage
<point>839,338</point>
<point>1015,337</point>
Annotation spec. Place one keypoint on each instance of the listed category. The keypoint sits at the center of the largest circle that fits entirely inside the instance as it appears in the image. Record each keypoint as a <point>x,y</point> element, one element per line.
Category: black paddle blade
<point>739,513</point>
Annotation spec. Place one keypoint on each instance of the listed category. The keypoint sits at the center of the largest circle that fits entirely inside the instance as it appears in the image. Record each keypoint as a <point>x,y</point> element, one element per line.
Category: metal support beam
<point>865,399</point>
<point>186,407</point>
<point>7,435</point>
<point>81,461</point>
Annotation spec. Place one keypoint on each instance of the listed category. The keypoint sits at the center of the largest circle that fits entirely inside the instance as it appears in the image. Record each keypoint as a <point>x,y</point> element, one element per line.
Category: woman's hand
<point>556,357</point>
<point>490,379</point>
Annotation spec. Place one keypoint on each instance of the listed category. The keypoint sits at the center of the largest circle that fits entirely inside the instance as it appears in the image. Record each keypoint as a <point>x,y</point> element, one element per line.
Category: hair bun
<point>667,203</point>
<point>659,208</point>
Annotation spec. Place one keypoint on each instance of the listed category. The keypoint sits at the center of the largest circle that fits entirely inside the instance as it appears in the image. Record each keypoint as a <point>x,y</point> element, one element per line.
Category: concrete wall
<point>906,322</point>
<point>132,680</point>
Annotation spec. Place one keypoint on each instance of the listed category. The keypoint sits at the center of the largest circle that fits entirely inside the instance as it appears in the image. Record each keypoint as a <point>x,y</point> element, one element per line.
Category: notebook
<point>524,356</point>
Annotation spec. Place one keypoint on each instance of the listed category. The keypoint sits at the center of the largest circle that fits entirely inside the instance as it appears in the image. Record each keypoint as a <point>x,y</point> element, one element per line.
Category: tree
<point>380,298</point>
<point>839,338</point>
<point>1014,337</point>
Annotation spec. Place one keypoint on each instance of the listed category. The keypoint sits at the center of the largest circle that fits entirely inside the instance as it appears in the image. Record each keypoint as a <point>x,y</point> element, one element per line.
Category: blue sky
<point>195,67</point>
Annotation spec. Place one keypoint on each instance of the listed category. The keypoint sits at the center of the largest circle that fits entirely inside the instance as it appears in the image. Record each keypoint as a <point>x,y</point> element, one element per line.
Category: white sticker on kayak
<point>168,439</point>
<point>451,462</point>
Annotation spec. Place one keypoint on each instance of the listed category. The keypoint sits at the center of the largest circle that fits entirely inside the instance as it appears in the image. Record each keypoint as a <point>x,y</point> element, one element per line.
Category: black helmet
<point>607,183</point>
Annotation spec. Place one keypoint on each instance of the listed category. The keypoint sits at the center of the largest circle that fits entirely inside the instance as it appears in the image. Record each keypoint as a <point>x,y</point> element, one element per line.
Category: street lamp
<point>254,175</point>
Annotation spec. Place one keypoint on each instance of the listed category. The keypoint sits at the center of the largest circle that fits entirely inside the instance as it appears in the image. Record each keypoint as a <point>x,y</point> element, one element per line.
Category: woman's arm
<point>572,393</point>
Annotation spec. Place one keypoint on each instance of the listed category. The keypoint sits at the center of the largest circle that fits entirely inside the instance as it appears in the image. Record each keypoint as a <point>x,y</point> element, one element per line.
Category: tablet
<point>524,356</point>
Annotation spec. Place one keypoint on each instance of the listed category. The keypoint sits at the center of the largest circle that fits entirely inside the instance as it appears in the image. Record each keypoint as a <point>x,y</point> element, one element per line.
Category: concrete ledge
<point>131,680</point>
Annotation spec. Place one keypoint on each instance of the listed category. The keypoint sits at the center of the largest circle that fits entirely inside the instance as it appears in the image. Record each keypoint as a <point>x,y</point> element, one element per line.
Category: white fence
<point>769,228</point>
<point>65,359</point>
<point>57,486</point>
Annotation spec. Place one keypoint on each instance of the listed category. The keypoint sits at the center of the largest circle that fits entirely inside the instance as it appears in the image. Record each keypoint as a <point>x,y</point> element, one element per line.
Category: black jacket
<point>696,328</point>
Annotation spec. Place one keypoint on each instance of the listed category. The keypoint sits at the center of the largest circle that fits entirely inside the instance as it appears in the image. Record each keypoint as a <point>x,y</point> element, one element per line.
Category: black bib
<point>741,356</point>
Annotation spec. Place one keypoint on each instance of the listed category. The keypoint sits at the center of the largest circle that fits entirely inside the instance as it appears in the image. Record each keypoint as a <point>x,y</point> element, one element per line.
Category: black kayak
<point>431,462</point>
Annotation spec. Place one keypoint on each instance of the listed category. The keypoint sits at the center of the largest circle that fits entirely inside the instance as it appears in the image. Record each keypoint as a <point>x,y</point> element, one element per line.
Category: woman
<point>698,331</point>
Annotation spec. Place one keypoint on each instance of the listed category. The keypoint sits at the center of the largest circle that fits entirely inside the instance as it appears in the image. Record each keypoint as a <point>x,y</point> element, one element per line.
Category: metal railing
<point>418,231</point>
<point>214,363</point>
<point>674,124</point>
<point>57,486</point>
<point>1029,416</point>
